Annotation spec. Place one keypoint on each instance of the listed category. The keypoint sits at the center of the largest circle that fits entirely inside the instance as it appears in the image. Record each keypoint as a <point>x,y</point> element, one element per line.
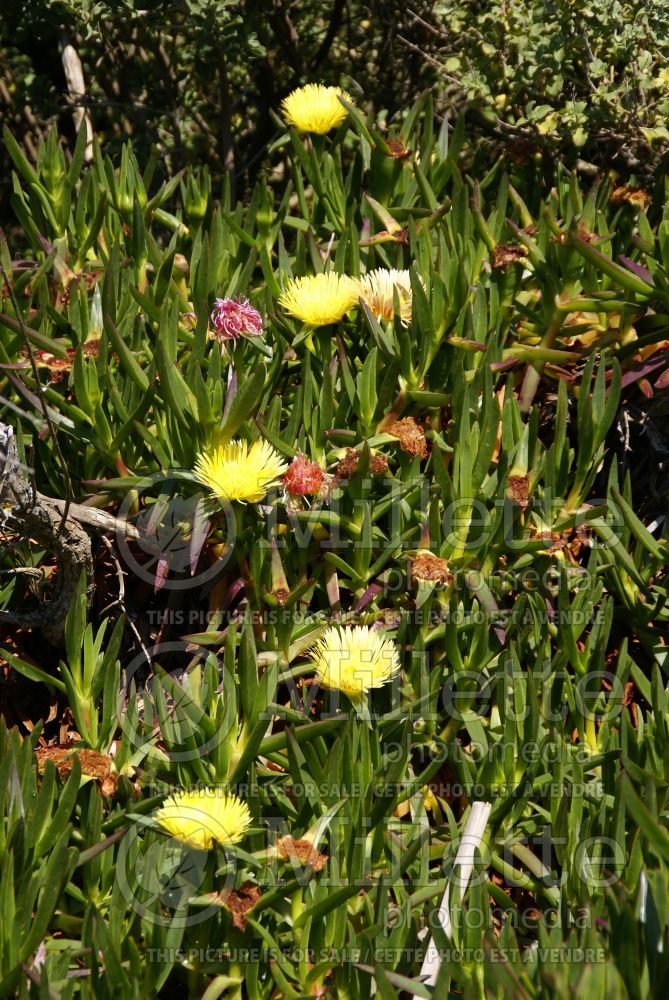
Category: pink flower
<point>305,478</point>
<point>234,318</point>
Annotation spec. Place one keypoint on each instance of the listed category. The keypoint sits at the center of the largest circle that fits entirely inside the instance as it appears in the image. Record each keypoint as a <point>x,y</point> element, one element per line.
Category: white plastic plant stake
<point>472,838</point>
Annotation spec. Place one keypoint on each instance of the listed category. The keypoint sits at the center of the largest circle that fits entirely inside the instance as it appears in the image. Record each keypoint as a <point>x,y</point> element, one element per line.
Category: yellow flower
<point>355,660</point>
<point>376,291</point>
<point>234,471</point>
<point>320,299</point>
<point>200,817</point>
<point>315,108</point>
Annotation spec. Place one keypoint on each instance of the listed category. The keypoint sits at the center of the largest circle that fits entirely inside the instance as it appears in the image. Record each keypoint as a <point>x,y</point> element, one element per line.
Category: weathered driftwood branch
<point>28,513</point>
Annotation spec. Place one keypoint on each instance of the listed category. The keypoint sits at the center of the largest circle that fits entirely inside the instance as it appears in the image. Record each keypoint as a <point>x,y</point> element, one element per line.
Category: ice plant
<point>376,290</point>
<point>234,471</point>
<point>304,478</point>
<point>410,435</point>
<point>315,108</point>
<point>205,816</point>
<point>355,660</point>
<point>319,299</point>
<point>429,568</point>
<point>235,318</point>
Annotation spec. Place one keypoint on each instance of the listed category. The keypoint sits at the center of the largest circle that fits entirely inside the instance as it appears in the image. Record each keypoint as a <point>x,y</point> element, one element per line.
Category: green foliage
<point>195,81</point>
<point>37,862</point>
<point>569,75</point>
<point>534,670</point>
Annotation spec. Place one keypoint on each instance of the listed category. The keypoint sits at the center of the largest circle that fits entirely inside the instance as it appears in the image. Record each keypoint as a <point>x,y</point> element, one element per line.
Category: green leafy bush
<point>471,509</point>
<point>571,77</point>
<point>195,81</point>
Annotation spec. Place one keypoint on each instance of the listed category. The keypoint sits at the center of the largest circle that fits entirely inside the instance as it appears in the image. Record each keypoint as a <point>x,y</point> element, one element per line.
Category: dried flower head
<point>355,660</point>
<point>236,472</point>
<point>315,108</point>
<point>410,435</point>
<point>378,464</point>
<point>204,816</point>
<point>240,901</point>
<point>506,254</point>
<point>518,490</point>
<point>289,849</point>
<point>376,289</point>
<point>319,299</point>
<point>397,150</point>
<point>632,195</point>
<point>430,568</point>
<point>235,318</point>
<point>58,366</point>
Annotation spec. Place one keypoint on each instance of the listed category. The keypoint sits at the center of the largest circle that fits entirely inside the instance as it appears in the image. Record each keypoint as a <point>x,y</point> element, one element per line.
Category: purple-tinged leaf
<point>623,275</point>
<point>502,366</point>
<point>638,269</point>
<point>230,395</point>
<point>372,591</point>
<point>233,590</point>
<point>663,381</point>
<point>500,633</point>
<point>466,344</point>
<point>643,369</point>
<point>199,533</point>
<point>162,569</point>
<point>48,247</point>
<point>56,417</point>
